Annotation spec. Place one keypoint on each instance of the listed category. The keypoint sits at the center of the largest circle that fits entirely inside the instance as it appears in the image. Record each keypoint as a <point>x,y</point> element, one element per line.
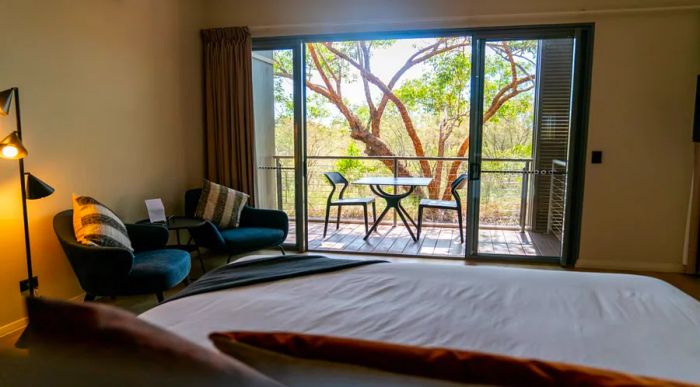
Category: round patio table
<point>393,200</point>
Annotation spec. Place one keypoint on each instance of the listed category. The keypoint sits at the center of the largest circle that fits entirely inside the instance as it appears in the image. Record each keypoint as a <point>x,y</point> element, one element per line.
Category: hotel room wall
<point>645,63</point>
<point>111,107</point>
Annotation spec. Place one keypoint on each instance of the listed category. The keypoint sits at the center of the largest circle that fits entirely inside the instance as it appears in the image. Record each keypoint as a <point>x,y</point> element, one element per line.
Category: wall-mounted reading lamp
<point>11,147</point>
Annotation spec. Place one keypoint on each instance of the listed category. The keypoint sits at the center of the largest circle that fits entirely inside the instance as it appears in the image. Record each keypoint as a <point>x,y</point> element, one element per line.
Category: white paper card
<point>156,210</point>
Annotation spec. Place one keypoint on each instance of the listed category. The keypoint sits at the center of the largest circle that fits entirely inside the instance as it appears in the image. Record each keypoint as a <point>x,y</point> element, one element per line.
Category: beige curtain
<point>692,263</point>
<point>228,108</point>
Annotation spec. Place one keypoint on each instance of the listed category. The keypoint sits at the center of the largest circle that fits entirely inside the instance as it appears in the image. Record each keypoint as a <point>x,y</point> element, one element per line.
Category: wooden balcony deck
<point>434,241</point>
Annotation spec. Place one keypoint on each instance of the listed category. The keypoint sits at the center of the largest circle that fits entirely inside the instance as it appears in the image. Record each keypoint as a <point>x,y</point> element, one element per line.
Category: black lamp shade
<point>37,189</point>
<point>11,147</point>
<point>5,100</point>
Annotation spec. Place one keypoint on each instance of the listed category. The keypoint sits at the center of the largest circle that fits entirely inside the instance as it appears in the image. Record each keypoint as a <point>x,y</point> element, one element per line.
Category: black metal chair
<point>455,204</point>
<point>336,179</point>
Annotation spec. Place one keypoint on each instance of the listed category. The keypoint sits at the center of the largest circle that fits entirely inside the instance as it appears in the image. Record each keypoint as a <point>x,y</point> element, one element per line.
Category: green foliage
<point>351,168</point>
<point>444,89</point>
<point>436,93</point>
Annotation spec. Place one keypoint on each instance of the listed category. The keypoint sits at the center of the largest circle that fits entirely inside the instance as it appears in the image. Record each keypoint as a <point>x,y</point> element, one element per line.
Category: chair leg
<point>89,297</point>
<point>282,250</point>
<point>374,212</point>
<point>461,229</point>
<point>337,222</point>
<point>201,264</point>
<point>325,224</point>
<point>364,207</point>
<point>201,260</point>
<point>160,297</point>
<point>420,222</point>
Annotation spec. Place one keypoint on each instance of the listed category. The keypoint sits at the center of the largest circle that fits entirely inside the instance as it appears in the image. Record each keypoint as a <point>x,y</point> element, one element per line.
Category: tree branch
<point>365,55</point>
<point>501,98</point>
<point>408,122</point>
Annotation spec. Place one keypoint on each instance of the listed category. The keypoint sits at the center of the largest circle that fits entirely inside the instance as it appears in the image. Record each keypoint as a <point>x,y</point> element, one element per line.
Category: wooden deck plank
<point>413,247</point>
<point>401,243</point>
<point>434,241</point>
<point>547,245</point>
<point>374,239</point>
<point>431,238</point>
<point>444,239</point>
<point>392,235</point>
<point>456,247</point>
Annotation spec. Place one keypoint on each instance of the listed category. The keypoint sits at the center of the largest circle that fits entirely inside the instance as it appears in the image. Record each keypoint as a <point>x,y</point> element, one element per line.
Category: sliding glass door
<point>522,145</point>
<point>278,149</point>
<point>505,106</point>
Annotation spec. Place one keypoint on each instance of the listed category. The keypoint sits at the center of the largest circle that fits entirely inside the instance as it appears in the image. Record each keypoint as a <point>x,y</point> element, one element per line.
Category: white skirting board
<point>605,264</point>
<point>21,323</point>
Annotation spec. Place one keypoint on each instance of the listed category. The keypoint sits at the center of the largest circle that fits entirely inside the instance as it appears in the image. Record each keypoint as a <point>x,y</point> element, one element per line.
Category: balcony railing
<point>504,193</point>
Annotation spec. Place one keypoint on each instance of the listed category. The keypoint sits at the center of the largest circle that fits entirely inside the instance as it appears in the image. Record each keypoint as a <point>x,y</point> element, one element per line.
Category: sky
<point>385,63</point>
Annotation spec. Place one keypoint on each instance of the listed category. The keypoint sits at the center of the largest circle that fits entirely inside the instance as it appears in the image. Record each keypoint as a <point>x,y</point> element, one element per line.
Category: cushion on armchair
<point>220,205</point>
<point>96,225</point>
<point>155,270</point>
<point>252,238</point>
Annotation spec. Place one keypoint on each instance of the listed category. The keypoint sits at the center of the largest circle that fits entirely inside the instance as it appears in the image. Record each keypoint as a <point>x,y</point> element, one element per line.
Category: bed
<point>627,323</point>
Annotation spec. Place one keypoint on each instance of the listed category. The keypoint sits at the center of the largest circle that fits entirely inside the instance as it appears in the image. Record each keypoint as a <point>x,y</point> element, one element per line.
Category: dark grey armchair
<point>112,271</point>
<point>259,229</point>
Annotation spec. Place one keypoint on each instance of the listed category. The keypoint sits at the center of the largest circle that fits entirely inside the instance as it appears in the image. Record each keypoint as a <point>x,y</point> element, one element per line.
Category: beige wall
<point>646,58</point>
<point>111,107</point>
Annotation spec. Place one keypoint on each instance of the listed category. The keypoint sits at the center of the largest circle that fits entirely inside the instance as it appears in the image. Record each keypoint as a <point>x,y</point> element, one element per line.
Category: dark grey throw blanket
<point>267,270</point>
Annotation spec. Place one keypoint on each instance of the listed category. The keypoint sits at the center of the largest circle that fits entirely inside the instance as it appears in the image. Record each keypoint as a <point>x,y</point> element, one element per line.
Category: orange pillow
<point>435,363</point>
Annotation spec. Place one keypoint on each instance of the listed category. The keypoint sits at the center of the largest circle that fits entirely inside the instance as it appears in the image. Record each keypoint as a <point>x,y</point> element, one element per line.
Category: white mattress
<point>628,323</point>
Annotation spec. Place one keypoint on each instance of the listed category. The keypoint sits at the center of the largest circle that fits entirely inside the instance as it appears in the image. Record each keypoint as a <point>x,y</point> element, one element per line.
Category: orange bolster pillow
<point>437,363</point>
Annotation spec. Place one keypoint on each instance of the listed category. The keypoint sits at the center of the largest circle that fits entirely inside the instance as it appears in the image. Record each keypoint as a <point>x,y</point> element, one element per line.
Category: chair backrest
<point>454,187</point>
<point>191,201</point>
<point>99,269</point>
<point>336,178</point>
<point>63,226</point>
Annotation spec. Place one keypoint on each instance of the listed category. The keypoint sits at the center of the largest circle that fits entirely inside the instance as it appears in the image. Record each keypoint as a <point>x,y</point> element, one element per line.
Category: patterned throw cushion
<point>96,225</point>
<point>220,205</point>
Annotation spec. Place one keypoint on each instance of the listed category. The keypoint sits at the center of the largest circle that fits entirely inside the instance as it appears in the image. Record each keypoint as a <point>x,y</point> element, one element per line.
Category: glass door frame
<point>299,97</point>
<point>583,52</point>
<point>580,91</point>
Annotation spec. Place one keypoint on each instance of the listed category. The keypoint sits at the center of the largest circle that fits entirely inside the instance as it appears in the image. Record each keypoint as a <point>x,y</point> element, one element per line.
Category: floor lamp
<point>11,147</point>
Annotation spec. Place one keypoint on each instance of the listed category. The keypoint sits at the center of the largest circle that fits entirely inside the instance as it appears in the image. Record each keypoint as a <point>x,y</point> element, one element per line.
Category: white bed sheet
<point>628,323</point>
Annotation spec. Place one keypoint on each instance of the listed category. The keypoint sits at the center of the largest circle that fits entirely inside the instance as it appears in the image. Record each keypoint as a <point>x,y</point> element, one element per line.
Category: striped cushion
<point>220,205</point>
<point>96,225</point>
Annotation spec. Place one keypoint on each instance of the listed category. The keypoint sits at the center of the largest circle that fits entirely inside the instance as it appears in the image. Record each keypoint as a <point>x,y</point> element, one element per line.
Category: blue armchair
<point>258,229</point>
<point>112,271</point>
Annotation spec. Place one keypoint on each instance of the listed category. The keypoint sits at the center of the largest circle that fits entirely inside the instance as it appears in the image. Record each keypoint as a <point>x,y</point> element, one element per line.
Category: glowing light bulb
<point>9,151</point>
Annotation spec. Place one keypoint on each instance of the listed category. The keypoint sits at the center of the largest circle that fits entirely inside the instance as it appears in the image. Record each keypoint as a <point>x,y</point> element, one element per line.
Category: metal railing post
<point>396,174</point>
<point>524,195</point>
<point>278,173</point>
<point>516,221</point>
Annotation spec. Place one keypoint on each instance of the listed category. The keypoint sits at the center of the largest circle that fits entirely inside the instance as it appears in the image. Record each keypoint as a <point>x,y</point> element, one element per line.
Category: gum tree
<point>442,92</point>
